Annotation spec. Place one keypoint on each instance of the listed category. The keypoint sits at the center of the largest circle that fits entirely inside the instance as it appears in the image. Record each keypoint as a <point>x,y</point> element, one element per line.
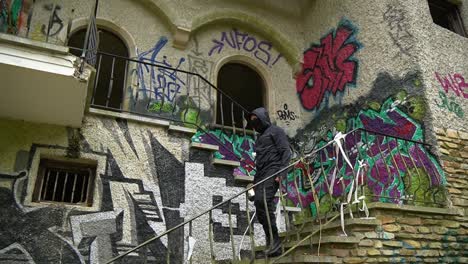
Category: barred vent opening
<point>64,182</point>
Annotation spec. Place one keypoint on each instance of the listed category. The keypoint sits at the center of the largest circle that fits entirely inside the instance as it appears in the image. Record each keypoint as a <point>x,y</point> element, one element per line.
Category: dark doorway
<point>111,71</point>
<point>244,85</point>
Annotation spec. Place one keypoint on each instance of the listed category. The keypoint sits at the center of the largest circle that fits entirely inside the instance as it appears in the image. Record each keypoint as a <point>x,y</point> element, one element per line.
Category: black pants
<point>265,193</point>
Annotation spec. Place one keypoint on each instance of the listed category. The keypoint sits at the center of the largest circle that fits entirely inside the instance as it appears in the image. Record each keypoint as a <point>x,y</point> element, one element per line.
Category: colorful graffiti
<point>449,104</point>
<point>231,147</point>
<point>15,16</point>
<point>161,84</point>
<point>166,92</point>
<point>328,67</point>
<point>394,168</point>
<point>454,82</point>
<point>260,49</point>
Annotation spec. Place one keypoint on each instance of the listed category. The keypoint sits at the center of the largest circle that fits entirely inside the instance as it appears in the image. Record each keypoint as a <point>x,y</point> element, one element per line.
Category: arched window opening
<point>110,77</point>
<point>244,85</point>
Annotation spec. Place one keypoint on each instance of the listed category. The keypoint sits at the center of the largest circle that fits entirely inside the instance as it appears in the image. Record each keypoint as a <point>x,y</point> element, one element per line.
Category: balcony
<point>41,82</point>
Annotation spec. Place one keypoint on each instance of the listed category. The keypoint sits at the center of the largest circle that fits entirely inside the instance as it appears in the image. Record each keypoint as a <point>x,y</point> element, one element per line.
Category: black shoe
<point>275,249</point>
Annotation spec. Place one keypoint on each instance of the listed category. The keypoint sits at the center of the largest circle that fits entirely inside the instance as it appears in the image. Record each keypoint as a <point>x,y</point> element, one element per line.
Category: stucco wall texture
<point>324,64</point>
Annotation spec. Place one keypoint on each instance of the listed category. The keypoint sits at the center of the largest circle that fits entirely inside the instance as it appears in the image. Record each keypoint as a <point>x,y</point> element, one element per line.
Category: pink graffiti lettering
<point>328,67</point>
<point>454,82</point>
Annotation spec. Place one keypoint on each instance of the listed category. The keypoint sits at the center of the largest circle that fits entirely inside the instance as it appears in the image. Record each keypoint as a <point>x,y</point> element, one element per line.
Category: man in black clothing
<point>272,154</point>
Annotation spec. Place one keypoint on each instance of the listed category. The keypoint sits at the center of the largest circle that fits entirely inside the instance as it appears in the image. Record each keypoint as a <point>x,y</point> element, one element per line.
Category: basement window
<point>64,183</point>
<point>447,15</point>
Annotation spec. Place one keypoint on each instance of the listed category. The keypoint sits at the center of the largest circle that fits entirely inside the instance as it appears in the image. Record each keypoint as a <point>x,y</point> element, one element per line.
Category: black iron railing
<point>344,173</point>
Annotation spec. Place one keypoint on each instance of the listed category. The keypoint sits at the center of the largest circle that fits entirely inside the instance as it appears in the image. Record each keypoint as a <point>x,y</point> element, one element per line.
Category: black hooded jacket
<point>272,147</point>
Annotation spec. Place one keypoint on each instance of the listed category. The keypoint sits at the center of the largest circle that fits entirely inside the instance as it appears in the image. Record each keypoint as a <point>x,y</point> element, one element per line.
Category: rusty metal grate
<point>64,182</point>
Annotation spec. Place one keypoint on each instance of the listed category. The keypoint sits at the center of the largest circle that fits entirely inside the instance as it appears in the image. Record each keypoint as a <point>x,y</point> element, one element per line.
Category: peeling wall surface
<point>327,66</point>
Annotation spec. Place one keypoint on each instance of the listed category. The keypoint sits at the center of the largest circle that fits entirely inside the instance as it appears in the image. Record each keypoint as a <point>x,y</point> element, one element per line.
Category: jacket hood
<point>262,114</point>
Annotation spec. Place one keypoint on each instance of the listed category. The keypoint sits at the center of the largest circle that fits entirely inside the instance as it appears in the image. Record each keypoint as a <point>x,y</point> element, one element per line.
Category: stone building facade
<point>157,157</point>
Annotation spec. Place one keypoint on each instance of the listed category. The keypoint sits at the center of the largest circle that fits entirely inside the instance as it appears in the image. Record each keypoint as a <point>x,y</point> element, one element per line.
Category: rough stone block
<point>391,228</point>
<point>366,243</point>
<point>463,135</point>
<point>354,260</point>
<point>388,252</point>
<point>440,131</point>
<point>359,252</point>
<point>385,219</point>
<point>452,133</point>
<point>392,243</point>
<point>383,260</point>
<point>407,252</point>
<point>411,244</point>
<point>427,253</point>
<point>410,229</point>
<point>378,244</point>
<point>371,235</point>
<point>373,252</point>
<point>410,220</point>
<point>439,230</point>
<point>450,224</point>
<point>435,245</point>
<point>424,230</point>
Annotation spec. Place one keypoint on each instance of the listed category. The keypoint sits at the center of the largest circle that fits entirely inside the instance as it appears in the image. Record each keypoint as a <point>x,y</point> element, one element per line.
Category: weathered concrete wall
<point>144,185</point>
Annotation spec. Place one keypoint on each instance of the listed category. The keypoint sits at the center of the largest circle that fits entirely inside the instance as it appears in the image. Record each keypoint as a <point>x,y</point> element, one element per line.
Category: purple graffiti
<point>235,39</point>
<point>163,84</point>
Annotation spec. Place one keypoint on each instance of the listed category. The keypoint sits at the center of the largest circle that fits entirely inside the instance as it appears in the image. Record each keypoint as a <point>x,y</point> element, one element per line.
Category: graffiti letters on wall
<point>453,87</point>
<point>286,115</point>
<point>15,16</point>
<point>395,169</point>
<point>398,25</point>
<point>329,67</point>
<point>55,24</point>
<point>164,91</point>
<point>235,39</point>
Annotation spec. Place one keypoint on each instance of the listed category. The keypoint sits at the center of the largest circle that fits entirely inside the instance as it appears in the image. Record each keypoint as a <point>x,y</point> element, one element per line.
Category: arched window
<point>244,85</point>
<point>110,77</point>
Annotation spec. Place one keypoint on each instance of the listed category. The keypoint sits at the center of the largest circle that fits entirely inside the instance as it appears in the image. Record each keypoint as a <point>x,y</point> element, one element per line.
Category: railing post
<point>111,83</point>
<point>210,236</point>
<point>231,232</point>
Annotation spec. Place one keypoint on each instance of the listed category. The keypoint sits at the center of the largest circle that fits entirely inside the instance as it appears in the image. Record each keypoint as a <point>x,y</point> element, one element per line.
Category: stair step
<point>323,240</point>
<point>294,259</point>
<point>204,146</point>
<point>307,259</point>
<point>182,129</point>
<point>291,209</point>
<point>348,222</point>
<point>226,162</point>
<point>243,178</point>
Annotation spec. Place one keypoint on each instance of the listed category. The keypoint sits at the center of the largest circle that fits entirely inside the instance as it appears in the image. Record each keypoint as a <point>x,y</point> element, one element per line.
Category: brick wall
<point>453,147</point>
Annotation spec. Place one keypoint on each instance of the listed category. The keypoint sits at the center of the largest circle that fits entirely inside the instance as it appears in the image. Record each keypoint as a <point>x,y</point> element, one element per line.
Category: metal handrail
<point>172,69</point>
<point>305,156</point>
<point>172,120</point>
<point>221,203</point>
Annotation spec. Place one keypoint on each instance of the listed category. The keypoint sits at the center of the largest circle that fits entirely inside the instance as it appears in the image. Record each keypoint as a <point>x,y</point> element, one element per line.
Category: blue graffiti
<point>163,84</point>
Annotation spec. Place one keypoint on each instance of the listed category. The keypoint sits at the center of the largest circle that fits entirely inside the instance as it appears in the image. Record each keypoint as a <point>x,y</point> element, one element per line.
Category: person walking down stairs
<point>272,154</point>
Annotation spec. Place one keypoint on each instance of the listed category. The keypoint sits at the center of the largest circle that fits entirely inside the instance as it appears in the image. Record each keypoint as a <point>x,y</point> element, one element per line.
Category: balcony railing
<point>340,175</point>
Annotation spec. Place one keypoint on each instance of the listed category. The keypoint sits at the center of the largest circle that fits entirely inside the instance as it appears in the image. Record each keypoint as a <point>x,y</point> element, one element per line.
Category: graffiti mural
<point>453,88</point>
<point>329,67</point>
<point>394,168</point>
<point>231,147</point>
<point>15,16</point>
<point>145,189</point>
<point>235,39</point>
